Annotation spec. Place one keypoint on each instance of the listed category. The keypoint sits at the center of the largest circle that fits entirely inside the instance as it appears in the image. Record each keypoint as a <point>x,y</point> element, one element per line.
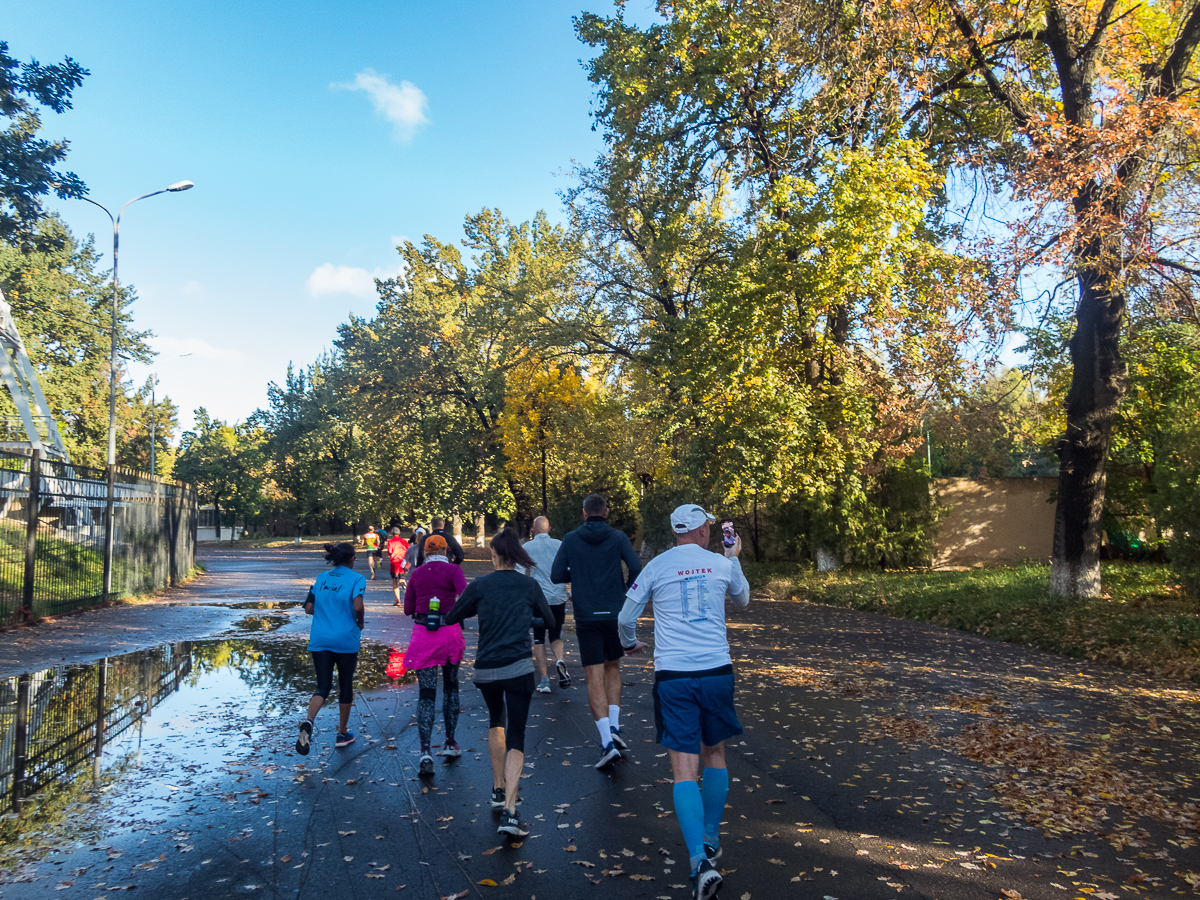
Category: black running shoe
<point>707,881</point>
<point>511,825</point>
<point>497,798</point>
<point>611,754</point>
<point>564,677</point>
<point>426,768</point>
<point>304,738</point>
<point>712,852</point>
<point>344,739</point>
<point>618,739</point>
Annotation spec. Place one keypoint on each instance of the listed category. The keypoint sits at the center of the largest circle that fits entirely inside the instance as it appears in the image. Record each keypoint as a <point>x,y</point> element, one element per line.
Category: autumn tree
<point>1083,113</point>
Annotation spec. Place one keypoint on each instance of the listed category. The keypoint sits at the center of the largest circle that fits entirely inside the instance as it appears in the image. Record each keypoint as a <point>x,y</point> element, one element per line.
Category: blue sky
<point>317,134</point>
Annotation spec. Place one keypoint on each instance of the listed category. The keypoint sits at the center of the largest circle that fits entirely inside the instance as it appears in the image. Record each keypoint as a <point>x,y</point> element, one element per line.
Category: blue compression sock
<point>689,810</point>
<point>714,793</point>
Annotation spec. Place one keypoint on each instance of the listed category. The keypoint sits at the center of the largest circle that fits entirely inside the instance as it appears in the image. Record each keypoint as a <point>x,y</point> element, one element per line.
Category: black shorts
<point>560,616</point>
<point>598,642</point>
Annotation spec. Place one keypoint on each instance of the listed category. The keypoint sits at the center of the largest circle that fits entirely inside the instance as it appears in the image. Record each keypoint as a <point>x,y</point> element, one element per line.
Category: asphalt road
<point>881,758</point>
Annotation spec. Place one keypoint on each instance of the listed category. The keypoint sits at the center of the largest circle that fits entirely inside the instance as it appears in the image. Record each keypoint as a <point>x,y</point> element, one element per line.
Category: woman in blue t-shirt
<point>335,601</point>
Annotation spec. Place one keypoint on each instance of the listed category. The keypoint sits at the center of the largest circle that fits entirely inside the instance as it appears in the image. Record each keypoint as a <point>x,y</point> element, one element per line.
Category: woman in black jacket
<point>506,603</point>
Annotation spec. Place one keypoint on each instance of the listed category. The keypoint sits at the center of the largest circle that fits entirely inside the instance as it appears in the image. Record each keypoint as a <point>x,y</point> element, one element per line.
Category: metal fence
<point>51,722</point>
<point>52,560</point>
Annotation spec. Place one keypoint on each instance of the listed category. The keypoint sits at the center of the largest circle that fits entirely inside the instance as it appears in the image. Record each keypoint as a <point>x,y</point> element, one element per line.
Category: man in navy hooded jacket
<point>590,561</point>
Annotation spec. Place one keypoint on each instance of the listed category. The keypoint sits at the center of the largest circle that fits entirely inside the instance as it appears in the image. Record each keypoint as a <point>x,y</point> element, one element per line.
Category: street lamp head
<point>181,186</point>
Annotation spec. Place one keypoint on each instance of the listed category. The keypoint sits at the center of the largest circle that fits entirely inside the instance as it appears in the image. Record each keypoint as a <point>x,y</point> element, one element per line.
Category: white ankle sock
<point>614,716</point>
<point>603,728</point>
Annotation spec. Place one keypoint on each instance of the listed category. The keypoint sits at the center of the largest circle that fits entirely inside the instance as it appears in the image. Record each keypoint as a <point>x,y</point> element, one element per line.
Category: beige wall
<point>994,521</point>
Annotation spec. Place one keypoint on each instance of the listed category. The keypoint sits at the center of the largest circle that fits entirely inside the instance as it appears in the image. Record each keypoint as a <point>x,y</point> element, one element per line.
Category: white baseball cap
<point>689,517</point>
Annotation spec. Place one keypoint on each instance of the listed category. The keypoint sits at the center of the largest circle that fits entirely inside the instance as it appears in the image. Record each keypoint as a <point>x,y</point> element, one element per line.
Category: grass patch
<point>1145,621</point>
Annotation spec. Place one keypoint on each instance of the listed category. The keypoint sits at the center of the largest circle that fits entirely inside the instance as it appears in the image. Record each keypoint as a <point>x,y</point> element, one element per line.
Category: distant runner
<point>397,549</point>
<point>370,541</point>
<point>542,549</point>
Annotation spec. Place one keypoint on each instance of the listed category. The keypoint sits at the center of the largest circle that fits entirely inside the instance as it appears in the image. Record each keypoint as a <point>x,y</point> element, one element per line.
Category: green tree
<point>225,464</point>
<point>28,163</point>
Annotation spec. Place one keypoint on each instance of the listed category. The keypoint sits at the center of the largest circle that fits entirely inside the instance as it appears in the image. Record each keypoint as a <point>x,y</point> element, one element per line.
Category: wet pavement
<point>881,758</point>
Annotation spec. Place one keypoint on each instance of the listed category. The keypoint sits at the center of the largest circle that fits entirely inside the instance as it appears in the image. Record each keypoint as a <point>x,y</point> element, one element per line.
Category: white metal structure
<point>41,432</point>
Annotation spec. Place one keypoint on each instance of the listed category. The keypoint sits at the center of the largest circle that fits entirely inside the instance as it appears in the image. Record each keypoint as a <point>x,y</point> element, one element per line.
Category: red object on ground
<point>395,666</point>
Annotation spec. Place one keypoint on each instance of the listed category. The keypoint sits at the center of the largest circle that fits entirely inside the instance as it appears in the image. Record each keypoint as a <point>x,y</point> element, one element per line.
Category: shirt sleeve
<point>460,581</point>
<point>410,597</point>
<point>466,605</point>
<point>739,587</point>
<point>540,607</point>
<point>635,603</point>
<point>456,550</point>
<point>632,561</point>
<point>560,571</point>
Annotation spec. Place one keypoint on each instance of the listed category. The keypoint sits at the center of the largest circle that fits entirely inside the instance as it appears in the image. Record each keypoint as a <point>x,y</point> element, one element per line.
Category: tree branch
<point>1006,99</point>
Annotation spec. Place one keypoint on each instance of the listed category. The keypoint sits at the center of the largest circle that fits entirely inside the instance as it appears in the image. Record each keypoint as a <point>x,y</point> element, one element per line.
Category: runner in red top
<point>397,547</point>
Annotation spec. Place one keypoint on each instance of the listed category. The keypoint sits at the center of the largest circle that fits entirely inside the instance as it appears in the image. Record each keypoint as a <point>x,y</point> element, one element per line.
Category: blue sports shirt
<point>333,625</point>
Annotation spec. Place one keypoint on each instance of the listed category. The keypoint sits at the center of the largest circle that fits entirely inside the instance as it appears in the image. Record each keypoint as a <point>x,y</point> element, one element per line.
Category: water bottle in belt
<point>434,619</point>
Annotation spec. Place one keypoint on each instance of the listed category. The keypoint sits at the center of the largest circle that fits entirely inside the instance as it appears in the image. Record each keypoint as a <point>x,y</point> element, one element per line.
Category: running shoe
<point>618,739</point>
<point>707,881</point>
<point>451,750</point>
<point>344,738</point>
<point>426,765</point>
<point>302,741</point>
<point>544,686</point>
<point>610,755</point>
<point>564,677</point>
<point>712,852</point>
<point>497,798</point>
<point>511,825</point>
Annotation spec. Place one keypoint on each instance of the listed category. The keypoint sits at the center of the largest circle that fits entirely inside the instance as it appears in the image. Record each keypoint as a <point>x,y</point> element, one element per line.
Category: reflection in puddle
<point>55,722</point>
<point>260,623</point>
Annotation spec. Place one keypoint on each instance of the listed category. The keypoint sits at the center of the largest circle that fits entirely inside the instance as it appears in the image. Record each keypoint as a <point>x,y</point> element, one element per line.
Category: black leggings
<point>323,662</point>
<point>513,694</point>
<point>556,627</point>
<point>427,701</point>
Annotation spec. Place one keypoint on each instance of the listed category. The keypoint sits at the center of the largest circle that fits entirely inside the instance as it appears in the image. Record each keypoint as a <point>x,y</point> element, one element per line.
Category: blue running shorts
<point>694,708</point>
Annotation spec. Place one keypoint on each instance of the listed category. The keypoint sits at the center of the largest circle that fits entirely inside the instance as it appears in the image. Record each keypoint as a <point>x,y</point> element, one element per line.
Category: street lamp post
<point>112,378</point>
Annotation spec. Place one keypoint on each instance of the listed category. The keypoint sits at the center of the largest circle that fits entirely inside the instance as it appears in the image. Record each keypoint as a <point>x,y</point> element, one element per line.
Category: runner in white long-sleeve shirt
<point>693,676</point>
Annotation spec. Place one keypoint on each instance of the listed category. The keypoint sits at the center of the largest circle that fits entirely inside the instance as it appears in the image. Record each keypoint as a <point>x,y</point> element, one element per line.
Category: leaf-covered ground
<point>1144,621</point>
<point>881,758</point>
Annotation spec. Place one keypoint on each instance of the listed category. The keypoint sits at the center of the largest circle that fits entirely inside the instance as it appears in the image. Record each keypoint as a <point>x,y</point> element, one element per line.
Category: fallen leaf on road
<point>510,879</point>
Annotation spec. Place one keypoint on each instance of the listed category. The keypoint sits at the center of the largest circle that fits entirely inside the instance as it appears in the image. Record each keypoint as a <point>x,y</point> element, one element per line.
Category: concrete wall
<point>994,521</point>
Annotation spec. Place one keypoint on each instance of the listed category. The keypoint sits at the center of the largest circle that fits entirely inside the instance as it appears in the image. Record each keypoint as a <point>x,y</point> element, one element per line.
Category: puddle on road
<point>249,604</point>
<point>69,734</point>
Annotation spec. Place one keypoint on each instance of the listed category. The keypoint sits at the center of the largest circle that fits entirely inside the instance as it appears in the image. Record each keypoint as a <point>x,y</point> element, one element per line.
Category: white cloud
<point>331,279</point>
<point>171,348</point>
<point>403,105</point>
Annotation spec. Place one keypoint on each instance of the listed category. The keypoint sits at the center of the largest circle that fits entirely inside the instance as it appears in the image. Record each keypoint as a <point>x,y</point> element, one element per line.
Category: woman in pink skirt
<point>430,595</point>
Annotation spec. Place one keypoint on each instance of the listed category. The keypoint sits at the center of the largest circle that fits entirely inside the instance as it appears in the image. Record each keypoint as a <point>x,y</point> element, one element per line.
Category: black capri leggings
<point>512,694</point>
<point>560,615</point>
<point>323,662</point>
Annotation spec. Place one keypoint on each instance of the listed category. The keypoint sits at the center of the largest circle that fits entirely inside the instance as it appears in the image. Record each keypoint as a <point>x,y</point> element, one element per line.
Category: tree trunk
<point>217,508</point>
<point>1097,385</point>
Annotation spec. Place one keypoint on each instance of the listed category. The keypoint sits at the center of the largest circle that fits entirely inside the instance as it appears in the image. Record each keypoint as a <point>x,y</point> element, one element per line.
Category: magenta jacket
<point>434,579</point>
